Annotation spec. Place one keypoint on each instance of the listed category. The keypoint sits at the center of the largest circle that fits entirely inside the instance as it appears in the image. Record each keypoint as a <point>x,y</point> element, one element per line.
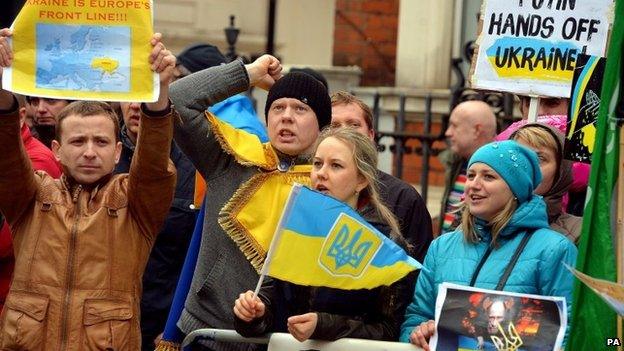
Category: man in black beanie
<point>294,103</point>
<point>248,181</point>
<point>314,73</point>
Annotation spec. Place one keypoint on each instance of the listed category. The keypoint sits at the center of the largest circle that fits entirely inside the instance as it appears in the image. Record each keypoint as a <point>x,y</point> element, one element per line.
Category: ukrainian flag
<point>323,242</point>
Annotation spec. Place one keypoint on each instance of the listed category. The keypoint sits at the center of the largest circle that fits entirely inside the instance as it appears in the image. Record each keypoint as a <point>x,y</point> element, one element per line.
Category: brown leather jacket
<point>81,251</point>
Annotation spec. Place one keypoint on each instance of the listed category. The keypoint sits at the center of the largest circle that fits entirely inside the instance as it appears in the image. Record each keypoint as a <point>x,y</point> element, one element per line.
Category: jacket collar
<point>125,139</point>
<point>75,188</point>
<point>290,160</point>
<point>530,215</point>
<point>25,132</point>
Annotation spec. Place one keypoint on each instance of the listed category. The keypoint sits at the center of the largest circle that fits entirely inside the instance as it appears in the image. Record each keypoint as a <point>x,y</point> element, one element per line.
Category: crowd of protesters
<point>98,209</point>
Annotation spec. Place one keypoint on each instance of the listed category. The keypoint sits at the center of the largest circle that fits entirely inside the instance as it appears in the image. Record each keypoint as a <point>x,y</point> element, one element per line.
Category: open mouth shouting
<point>286,135</point>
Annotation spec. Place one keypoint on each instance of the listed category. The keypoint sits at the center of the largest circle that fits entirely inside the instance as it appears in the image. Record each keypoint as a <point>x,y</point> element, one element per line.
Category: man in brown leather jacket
<point>81,242</point>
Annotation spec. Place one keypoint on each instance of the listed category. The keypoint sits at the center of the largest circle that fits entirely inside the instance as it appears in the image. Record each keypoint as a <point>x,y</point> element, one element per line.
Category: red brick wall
<point>365,35</point>
<point>413,163</point>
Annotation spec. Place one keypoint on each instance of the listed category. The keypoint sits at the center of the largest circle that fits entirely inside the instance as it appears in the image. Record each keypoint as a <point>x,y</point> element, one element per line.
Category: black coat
<point>161,274</point>
<point>374,314</point>
<point>411,211</point>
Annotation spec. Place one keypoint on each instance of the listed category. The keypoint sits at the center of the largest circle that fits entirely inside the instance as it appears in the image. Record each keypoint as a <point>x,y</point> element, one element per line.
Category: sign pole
<point>533,109</point>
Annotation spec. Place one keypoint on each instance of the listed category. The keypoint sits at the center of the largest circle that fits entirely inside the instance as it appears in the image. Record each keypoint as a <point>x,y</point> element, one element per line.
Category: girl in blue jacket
<point>500,213</point>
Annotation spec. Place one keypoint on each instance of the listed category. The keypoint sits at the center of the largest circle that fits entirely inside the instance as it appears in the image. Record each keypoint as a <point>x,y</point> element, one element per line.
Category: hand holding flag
<point>248,306</point>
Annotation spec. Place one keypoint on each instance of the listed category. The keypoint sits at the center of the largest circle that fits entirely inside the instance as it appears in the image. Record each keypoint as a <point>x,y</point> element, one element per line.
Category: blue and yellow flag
<point>324,242</point>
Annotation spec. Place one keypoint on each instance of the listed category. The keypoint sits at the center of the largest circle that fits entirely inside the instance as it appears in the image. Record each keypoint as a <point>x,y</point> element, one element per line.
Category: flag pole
<point>533,109</point>
<point>619,228</point>
<point>296,189</point>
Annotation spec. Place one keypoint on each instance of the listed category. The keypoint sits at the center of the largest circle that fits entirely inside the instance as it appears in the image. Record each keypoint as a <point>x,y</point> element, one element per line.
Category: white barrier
<point>222,335</point>
<point>286,342</point>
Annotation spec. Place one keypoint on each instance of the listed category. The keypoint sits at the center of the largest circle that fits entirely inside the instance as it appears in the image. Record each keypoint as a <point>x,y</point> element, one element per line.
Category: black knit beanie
<point>314,73</point>
<point>201,56</point>
<point>305,88</point>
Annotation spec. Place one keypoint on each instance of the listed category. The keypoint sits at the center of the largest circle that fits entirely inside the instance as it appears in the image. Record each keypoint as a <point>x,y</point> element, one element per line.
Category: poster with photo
<point>470,318</point>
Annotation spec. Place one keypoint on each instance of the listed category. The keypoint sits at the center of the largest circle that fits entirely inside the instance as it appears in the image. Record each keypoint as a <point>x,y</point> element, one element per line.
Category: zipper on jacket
<point>70,268</point>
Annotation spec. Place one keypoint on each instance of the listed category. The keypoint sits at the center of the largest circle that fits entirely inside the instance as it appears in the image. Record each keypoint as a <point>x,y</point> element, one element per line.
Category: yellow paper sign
<point>83,50</point>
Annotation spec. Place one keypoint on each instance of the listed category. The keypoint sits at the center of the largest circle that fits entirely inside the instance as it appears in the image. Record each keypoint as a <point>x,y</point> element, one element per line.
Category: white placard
<point>530,47</point>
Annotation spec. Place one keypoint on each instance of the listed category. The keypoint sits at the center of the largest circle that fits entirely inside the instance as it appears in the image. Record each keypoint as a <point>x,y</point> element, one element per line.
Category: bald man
<point>472,124</point>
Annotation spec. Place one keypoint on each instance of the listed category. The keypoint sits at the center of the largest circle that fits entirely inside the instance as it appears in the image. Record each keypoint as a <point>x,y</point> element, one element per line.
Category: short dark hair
<point>87,109</point>
<point>33,99</point>
<point>345,98</point>
<point>21,100</point>
<point>548,101</point>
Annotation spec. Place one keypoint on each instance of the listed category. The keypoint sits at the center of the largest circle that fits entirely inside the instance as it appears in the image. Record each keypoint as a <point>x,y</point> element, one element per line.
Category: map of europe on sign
<point>83,50</point>
<point>93,58</point>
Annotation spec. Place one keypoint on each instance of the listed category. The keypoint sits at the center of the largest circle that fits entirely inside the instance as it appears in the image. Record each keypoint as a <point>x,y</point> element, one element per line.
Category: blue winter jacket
<point>539,269</point>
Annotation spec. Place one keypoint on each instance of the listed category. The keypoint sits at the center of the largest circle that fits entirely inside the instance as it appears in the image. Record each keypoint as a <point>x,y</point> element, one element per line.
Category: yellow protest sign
<point>83,50</point>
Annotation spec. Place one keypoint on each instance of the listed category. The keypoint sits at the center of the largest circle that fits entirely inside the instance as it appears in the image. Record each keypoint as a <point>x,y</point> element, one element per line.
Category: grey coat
<point>222,271</point>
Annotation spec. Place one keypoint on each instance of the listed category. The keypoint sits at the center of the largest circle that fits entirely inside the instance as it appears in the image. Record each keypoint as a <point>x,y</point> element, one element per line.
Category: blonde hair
<point>365,159</point>
<point>537,137</point>
<point>497,224</point>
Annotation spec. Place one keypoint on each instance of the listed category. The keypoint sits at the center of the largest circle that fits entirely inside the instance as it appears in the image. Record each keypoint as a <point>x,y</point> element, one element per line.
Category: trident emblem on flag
<point>349,247</point>
<point>345,252</point>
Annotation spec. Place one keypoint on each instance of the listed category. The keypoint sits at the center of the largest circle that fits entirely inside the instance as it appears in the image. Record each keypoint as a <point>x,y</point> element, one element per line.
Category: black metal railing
<point>502,105</point>
<point>400,138</point>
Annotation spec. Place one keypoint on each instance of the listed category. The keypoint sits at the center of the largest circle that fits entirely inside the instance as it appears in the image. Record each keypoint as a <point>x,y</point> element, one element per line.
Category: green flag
<point>592,320</point>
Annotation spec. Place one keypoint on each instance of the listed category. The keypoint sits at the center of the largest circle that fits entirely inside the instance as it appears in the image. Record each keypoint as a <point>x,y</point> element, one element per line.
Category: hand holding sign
<point>162,62</point>
<point>421,334</point>
<point>6,58</point>
<point>6,55</point>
